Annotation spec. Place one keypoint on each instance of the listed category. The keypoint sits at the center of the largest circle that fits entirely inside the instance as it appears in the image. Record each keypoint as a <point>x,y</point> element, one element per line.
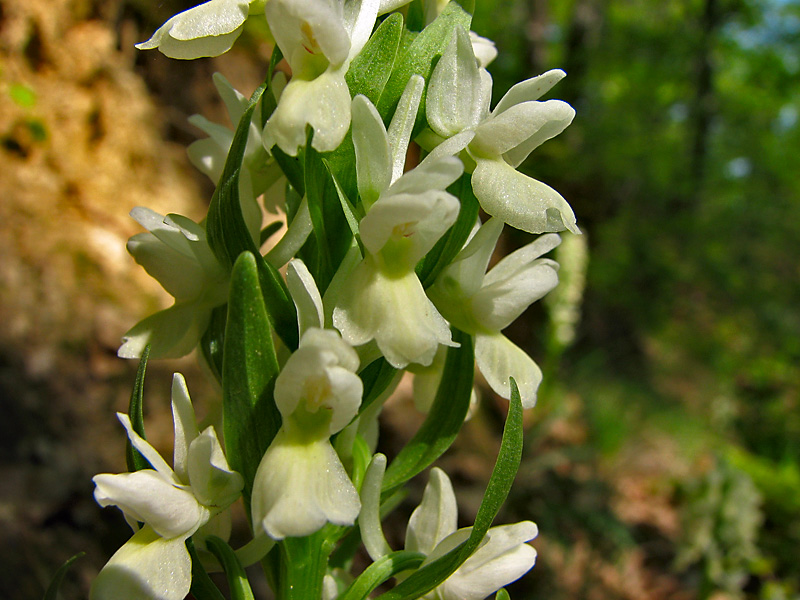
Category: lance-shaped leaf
<point>505,470</point>
<point>251,419</point>
<point>229,236</point>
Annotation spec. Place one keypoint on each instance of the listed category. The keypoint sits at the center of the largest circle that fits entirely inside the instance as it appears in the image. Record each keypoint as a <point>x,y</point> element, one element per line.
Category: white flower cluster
<point>374,306</point>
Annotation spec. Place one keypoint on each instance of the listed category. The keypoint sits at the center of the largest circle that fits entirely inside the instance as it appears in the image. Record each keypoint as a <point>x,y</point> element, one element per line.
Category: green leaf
<point>213,341</point>
<point>444,420</point>
<point>376,377</point>
<point>133,458</point>
<point>238,583</point>
<point>351,213</point>
<point>420,57</point>
<point>331,232</point>
<point>381,571</point>
<point>370,70</point>
<point>505,470</point>
<point>250,417</point>
<point>203,588</point>
<point>451,243</point>
<point>270,230</point>
<point>55,583</point>
<point>269,102</point>
<point>228,235</point>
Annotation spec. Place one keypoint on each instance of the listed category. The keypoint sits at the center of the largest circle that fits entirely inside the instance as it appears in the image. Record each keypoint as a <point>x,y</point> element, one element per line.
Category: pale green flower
<point>503,557</point>
<point>483,304</point>
<point>177,254</point>
<point>497,142</point>
<point>209,29</point>
<point>406,215</point>
<point>301,483</point>
<point>318,38</point>
<point>173,503</point>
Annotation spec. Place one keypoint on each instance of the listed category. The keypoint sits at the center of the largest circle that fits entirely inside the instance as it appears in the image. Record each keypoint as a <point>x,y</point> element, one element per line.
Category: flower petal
<point>149,497</point>
<point>209,29</point>
<point>306,296</point>
<point>323,103</point>
<point>299,487</point>
<point>395,312</point>
<point>453,100</point>
<point>520,129</point>
<point>214,483</point>
<point>373,164</point>
<point>530,89</point>
<point>502,559</point>
<point>498,359</point>
<point>436,516</point>
<point>171,333</point>
<point>519,200</point>
<point>147,567</point>
<point>185,425</point>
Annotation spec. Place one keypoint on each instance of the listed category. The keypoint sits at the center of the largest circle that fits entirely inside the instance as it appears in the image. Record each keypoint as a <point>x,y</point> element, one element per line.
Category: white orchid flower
<point>301,483</point>
<point>173,503</point>
<point>259,171</point>
<point>503,557</point>
<point>209,29</point>
<point>177,254</point>
<point>319,39</point>
<point>483,304</point>
<point>498,141</point>
<point>406,214</point>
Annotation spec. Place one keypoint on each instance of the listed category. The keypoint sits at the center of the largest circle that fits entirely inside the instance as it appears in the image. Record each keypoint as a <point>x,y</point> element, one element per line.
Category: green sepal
<point>502,594</point>
<point>444,420</point>
<point>269,102</point>
<point>212,343</point>
<point>505,470</point>
<point>238,584</point>
<point>451,243</point>
<point>228,235</point>
<point>52,590</point>
<point>376,377</point>
<point>420,57</point>
<point>249,367</point>
<point>381,571</point>
<point>133,458</point>
<point>370,70</point>
<point>203,588</point>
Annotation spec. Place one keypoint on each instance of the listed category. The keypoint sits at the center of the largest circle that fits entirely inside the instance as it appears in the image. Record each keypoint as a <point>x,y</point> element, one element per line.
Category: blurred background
<point>662,460</point>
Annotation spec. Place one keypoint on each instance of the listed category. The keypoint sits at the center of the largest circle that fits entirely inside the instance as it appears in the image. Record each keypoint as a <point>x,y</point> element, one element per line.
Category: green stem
<point>304,563</point>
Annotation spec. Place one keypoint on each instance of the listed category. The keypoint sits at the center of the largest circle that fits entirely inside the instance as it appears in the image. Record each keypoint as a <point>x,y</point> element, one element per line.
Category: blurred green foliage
<point>683,166</point>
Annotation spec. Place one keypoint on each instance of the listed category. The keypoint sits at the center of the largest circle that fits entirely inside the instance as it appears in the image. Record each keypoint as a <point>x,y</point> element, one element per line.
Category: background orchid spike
<point>173,503</point>
<point>177,254</point>
<point>484,304</point>
<point>457,111</point>
<point>301,483</point>
<point>319,38</point>
<point>503,557</point>
<point>209,29</point>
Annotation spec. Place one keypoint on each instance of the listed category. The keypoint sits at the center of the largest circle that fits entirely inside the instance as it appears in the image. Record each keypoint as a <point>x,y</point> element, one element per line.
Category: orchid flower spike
<point>173,503</point>
<point>319,39</point>
<point>483,304</point>
<point>497,142</point>
<point>177,254</point>
<point>406,215</point>
<point>301,483</point>
<point>503,557</point>
<point>209,29</point>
